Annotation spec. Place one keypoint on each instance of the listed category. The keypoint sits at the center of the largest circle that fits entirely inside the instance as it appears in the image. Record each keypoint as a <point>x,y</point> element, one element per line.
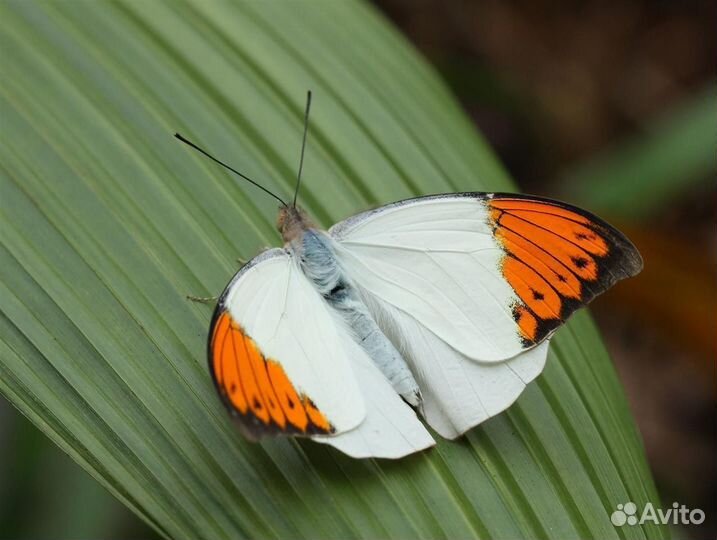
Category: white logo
<point>625,513</point>
<point>679,514</point>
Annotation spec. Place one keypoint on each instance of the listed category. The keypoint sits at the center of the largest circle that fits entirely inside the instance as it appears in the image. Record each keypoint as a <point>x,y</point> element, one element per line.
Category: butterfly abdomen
<point>317,259</point>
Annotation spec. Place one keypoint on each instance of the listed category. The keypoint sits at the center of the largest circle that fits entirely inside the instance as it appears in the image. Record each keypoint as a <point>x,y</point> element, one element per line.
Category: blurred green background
<point>610,106</point>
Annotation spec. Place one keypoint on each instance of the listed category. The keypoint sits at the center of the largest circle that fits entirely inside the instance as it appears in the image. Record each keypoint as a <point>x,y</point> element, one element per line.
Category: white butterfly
<point>440,306</point>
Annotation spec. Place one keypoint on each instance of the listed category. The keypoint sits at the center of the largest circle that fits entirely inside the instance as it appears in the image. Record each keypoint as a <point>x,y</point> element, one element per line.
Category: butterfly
<point>438,308</point>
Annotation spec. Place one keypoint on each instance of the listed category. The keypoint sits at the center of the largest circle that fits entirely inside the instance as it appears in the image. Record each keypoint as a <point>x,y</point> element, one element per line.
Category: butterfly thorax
<point>314,250</point>
<point>292,223</point>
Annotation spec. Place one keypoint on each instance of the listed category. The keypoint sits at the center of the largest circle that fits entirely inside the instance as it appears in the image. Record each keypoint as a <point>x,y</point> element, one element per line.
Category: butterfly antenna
<point>303,145</point>
<point>245,177</point>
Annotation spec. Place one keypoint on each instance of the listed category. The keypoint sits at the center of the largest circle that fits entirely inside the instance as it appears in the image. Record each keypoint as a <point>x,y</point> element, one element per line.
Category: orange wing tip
<point>556,259</point>
<point>256,390</point>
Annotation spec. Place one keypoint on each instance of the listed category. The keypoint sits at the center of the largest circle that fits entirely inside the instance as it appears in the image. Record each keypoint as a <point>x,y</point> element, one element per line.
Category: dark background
<point>607,105</point>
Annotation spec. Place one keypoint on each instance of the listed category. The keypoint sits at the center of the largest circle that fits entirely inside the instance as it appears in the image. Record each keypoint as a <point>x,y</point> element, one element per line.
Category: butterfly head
<point>292,222</point>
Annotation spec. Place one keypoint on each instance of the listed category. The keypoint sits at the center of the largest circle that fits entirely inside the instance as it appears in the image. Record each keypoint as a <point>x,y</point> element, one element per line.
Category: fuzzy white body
<point>315,252</point>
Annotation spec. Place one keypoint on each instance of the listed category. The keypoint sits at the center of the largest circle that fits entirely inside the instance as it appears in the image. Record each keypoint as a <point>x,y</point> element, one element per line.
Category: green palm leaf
<point>107,222</point>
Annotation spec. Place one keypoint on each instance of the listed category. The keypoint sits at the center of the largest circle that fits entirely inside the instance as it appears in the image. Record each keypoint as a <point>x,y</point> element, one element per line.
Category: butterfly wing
<point>471,286</point>
<point>391,428</point>
<point>489,274</point>
<point>276,355</point>
<point>458,392</point>
<point>284,365</point>
<point>557,259</point>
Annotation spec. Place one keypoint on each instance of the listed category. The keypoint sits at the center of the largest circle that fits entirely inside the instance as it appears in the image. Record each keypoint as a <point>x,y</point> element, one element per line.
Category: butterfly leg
<point>202,299</point>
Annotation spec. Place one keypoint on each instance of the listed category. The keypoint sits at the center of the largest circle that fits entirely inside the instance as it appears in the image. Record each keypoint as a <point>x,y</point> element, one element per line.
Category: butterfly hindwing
<point>458,392</point>
<point>391,428</point>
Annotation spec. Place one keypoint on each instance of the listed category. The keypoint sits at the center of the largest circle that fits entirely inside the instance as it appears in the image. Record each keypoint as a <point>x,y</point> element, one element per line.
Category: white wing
<point>277,355</point>
<point>458,393</point>
<point>470,286</point>
<point>436,259</point>
<point>284,364</point>
<point>391,428</point>
<point>489,274</point>
<point>429,273</point>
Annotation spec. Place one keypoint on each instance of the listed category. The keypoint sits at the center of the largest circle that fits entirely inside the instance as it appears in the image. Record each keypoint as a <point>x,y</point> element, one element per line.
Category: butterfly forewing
<point>284,366</point>
<point>276,356</point>
<point>489,274</point>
